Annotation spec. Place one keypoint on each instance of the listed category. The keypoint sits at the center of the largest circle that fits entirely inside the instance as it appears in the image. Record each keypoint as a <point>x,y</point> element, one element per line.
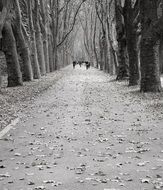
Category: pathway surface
<point>85,133</point>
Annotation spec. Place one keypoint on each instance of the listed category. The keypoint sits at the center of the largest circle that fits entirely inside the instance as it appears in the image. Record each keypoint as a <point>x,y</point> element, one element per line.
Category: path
<point>85,133</point>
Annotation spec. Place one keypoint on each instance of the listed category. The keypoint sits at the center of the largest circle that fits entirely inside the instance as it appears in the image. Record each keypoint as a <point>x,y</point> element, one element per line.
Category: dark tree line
<point>127,40</point>
<point>36,36</point>
<point>121,37</point>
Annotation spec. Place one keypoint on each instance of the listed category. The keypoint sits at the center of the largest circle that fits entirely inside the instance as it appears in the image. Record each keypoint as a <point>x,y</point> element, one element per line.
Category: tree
<point>22,44</point>
<point>44,21</point>
<point>102,41</point>
<point>111,36</point>
<point>130,13</point>
<point>34,56</point>
<point>9,45</point>
<point>121,39</point>
<point>39,41</point>
<point>151,31</point>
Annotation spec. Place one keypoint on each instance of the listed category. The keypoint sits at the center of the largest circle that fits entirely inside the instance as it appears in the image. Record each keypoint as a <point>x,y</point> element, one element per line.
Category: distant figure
<point>80,63</point>
<point>87,64</point>
<point>74,63</point>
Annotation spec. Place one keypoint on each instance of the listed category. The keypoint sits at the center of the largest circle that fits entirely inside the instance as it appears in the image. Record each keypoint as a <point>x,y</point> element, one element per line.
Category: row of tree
<point>124,37</point>
<point>36,36</point>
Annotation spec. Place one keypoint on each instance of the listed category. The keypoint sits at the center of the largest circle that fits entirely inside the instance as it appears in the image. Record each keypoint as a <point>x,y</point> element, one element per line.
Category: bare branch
<point>66,35</point>
<point>103,29</point>
<point>65,5</point>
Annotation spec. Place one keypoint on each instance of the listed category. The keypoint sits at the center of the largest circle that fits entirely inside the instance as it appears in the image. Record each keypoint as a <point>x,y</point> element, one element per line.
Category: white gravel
<point>87,132</point>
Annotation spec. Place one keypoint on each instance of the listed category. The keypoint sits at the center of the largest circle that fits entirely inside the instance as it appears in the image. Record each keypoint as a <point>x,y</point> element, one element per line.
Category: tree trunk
<point>94,41</point>
<point>3,10</point>
<point>23,46</point>
<point>121,38</point>
<point>44,8</point>
<point>105,54</point>
<point>150,74</point>
<point>133,60</point>
<point>39,42</point>
<point>50,51</point>
<point>161,54</point>
<point>13,67</point>
<point>149,61</point>
<point>101,53</point>
<point>112,62</point>
<point>34,57</point>
<point>122,67</point>
<point>131,38</point>
<point>55,19</point>
<point>113,58</point>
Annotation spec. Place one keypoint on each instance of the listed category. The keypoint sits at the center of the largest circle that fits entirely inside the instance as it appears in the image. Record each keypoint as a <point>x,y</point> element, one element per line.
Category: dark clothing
<point>74,63</point>
<point>87,64</point>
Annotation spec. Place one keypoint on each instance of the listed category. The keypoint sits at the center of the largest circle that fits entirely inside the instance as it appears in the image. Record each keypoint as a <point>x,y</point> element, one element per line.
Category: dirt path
<point>85,133</point>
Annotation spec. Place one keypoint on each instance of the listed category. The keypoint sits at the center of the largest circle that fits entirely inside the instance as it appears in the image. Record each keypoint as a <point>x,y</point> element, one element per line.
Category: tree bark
<point>94,41</point>
<point>10,50</point>
<point>121,38</point>
<point>3,16</point>
<point>149,47</point>
<point>55,20</point>
<point>131,38</point>
<point>122,67</point>
<point>101,62</point>
<point>34,57</point>
<point>45,24</point>
<point>50,51</point>
<point>161,54</point>
<point>39,42</point>
<point>113,56</point>
<point>23,46</point>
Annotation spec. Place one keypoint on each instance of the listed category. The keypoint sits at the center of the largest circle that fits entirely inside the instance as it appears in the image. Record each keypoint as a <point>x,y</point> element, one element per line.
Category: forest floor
<point>86,132</point>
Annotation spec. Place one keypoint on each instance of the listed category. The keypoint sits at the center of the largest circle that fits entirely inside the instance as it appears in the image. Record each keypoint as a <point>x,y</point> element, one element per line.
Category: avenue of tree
<point>121,37</point>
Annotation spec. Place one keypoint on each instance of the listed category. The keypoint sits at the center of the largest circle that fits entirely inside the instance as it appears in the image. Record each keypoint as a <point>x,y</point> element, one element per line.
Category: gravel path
<point>87,132</point>
<point>15,100</point>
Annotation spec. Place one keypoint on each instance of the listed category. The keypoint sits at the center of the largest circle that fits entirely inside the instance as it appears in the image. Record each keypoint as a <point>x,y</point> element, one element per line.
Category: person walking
<point>74,63</point>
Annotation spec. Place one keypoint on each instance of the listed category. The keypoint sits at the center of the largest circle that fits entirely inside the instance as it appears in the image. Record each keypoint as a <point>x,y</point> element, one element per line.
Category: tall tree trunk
<point>113,57</point>
<point>55,19</point>
<point>122,67</point>
<point>10,50</point>
<point>23,46</point>
<point>64,30</point>
<point>34,57</point>
<point>105,54</point>
<point>131,38</point>
<point>39,42</point>
<point>94,41</point>
<point>50,51</point>
<point>4,8</point>
<point>160,14</point>
<point>161,54</point>
<point>149,62</point>
<point>44,8</point>
<point>101,52</point>
<point>121,38</point>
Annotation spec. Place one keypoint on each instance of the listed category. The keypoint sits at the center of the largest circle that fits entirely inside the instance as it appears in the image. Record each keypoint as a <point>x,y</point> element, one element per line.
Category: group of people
<point>80,63</point>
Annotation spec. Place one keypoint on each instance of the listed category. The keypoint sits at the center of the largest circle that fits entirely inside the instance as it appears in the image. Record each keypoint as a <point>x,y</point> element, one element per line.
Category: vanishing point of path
<point>85,133</point>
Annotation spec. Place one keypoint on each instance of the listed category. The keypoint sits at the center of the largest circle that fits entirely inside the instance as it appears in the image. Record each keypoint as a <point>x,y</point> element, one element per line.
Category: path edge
<point>9,127</point>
